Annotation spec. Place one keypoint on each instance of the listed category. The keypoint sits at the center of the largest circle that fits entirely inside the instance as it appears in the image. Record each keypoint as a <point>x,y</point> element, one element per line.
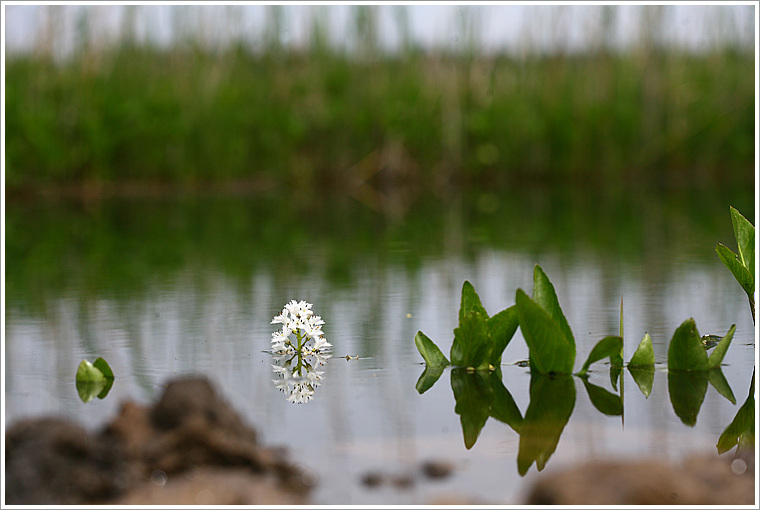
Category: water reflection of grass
<point>320,120</point>
<point>128,245</point>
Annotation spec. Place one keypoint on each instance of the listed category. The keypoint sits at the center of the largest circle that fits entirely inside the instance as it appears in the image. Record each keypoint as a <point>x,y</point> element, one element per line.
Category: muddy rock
<point>190,447</point>
<point>702,480</point>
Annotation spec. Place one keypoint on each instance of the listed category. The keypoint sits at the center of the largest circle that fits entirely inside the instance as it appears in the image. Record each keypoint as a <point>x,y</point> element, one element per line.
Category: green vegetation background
<point>324,118</point>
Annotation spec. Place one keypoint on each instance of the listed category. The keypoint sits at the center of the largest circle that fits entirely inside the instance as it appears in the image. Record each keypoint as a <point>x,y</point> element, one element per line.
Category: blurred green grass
<point>407,123</point>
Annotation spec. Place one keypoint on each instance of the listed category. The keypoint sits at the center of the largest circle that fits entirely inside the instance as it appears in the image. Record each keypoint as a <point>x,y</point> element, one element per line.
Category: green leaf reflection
<point>643,376</point>
<point>741,430</point>
<point>552,399</point>
<point>605,401</point>
<point>93,379</point>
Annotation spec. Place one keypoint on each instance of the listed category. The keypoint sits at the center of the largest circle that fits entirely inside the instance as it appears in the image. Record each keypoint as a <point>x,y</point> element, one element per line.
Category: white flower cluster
<point>299,388</point>
<point>298,319</point>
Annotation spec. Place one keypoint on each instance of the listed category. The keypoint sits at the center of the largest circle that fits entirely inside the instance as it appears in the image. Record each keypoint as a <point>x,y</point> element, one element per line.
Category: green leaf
<point>550,351</point>
<point>685,351</point>
<point>643,376</point>
<point>687,392</point>
<point>606,347</point>
<point>430,352</point>
<point>428,378</point>
<point>503,406</point>
<point>88,390</point>
<point>744,233</point>
<point>87,373</point>
<point>470,302</point>
<point>546,297</point>
<point>472,345</point>
<point>741,273</point>
<point>552,399</point>
<point>644,355</point>
<point>605,402</point>
<point>719,382</point>
<point>501,329</point>
<point>720,350</point>
<point>102,365</point>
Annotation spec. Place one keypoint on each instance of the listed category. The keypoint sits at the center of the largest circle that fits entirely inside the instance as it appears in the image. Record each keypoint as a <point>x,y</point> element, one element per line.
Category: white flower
<point>298,318</point>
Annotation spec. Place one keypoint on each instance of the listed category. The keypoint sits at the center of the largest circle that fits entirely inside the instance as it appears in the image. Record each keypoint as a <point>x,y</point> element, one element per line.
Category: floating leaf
<point>720,350</point>
<point>643,376</point>
<point>550,350</point>
<point>552,399</point>
<point>685,351</point>
<point>472,346</point>
<point>644,355</point>
<point>501,329</point>
<point>605,402</point>
<point>609,346</point>
<point>430,352</point>
<point>545,295</point>
<point>93,379</point>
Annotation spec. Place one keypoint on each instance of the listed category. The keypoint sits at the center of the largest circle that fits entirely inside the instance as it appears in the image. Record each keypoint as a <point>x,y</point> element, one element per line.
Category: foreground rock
<point>190,447</point>
<point>703,480</point>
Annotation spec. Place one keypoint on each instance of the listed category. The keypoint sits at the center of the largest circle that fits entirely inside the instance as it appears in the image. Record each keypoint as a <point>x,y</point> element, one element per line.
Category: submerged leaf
<point>685,351</point>
<point>644,355</point>
<point>606,347</point>
<point>550,350</point>
<point>430,352</point>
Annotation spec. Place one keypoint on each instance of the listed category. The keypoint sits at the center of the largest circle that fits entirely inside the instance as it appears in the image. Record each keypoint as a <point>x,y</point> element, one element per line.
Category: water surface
<point>161,288</point>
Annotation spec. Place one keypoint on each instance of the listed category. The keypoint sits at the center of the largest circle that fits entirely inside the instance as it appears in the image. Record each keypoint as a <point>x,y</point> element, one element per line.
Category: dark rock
<point>50,461</point>
<point>707,480</point>
<point>437,469</point>
<point>178,450</point>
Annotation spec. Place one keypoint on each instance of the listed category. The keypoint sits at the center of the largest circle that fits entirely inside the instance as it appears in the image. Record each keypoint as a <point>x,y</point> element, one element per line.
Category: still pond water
<point>162,288</point>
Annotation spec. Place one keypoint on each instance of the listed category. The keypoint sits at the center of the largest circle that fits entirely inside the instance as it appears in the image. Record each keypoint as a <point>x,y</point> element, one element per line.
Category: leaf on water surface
<point>718,354</point>
<point>741,273</point>
<point>430,352</point>
<point>643,376</point>
<point>501,329</point>
<point>685,351</point>
<point>88,373</point>
<point>644,355</point>
<point>744,233</point>
<point>550,350</point>
<point>687,392</point>
<point>545,295</point>
<point>428,378</point>
<point>472,344</point>
<point>609,346</point>
<point>605,401</point>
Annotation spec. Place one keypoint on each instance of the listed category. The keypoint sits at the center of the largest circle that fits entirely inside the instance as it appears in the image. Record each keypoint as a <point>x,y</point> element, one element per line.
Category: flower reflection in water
<point>297,359</point>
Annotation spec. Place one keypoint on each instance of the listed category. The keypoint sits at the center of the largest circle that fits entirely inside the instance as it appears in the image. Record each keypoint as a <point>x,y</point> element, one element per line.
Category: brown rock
<point>707,480</point>
<point>190,447</point>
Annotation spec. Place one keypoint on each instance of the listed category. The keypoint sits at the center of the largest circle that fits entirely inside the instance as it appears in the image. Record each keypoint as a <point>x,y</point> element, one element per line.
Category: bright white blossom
<point>298,319</point>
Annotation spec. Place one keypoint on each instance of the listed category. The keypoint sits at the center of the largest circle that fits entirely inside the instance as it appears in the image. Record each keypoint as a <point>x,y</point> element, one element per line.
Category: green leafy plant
<point>686,350</point>
<point>93,379</point>
<point>742,266</point>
